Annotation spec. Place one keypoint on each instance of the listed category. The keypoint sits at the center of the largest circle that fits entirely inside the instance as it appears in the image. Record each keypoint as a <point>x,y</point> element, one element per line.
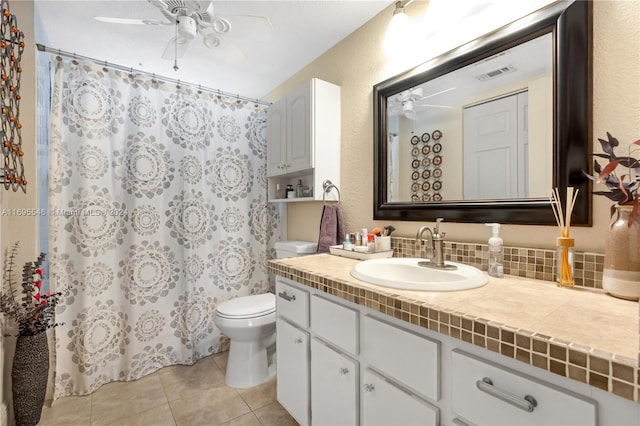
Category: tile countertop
<point>577,333</point>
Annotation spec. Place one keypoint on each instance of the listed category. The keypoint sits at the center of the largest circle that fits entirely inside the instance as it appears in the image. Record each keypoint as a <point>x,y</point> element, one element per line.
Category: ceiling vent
<point>496,73</point>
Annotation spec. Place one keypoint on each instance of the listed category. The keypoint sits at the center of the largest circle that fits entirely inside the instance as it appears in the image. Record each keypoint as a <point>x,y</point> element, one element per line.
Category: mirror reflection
<point>483,131</point>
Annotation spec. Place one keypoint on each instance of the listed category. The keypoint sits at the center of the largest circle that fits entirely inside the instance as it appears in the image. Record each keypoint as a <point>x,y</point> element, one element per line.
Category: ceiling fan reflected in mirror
<point>410,102</point>
<point>192,18</point>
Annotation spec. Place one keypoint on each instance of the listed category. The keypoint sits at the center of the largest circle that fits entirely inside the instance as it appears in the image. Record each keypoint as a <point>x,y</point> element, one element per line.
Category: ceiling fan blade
<point>433,106</point>
<point>257,28</point>
<point>127,21</point>
<point>170,52</point>
<point>438,93</point>
<point>223,49</point>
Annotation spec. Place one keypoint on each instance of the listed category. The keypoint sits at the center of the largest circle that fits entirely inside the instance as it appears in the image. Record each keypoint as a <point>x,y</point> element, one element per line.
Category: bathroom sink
<point>404,273</point>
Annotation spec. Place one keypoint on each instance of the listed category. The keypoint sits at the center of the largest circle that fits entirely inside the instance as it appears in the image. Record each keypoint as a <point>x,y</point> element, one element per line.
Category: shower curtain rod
<point>43,48</point>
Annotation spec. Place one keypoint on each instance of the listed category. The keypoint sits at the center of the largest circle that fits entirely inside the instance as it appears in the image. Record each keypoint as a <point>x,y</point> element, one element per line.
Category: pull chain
<point>175,50</point>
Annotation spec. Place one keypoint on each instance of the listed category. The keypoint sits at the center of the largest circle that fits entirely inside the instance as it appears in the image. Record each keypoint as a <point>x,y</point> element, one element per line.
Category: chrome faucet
<point>434,250</point>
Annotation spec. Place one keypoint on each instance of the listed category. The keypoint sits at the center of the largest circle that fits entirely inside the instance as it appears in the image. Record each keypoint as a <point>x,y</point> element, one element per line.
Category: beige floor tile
<point>259,396</point>
<point>180,381</point>
<point>119,400</point>
<point>248,419</point>
<point>157,416</point>
<point>215,405</point>
<point>274,415</point>
<point>221,360</point>
<point>69,411</point>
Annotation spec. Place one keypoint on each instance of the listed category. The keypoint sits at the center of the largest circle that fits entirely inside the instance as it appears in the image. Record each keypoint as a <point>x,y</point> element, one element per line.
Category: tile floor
<point>176,395</point>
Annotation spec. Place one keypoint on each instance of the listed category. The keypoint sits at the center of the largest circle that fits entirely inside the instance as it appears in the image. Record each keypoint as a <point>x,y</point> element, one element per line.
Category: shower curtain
<point>158,212</point>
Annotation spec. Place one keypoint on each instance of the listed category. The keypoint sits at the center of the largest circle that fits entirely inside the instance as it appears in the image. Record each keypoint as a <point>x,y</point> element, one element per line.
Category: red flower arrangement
<point>34,310</point>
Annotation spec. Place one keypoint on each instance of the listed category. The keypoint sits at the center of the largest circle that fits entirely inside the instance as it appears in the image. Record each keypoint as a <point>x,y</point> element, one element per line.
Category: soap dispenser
<point>496,268</point>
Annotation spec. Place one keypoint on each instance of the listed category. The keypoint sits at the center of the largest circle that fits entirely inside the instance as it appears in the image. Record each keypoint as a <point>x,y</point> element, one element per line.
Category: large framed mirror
<point>484,132</point>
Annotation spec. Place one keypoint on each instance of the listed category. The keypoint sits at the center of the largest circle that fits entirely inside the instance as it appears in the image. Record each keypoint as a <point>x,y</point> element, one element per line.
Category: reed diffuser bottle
<point>564,243</point>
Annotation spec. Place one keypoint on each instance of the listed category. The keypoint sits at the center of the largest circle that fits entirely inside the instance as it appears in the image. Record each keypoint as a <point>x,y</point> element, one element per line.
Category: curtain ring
<point>105,68</point>
<point>153,78</point>
<point>75,62</point>
<point>178,85</point>
<point>199,89</point>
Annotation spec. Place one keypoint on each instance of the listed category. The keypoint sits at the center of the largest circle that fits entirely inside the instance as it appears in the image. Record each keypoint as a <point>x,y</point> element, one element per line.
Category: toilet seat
<point>247,306</point>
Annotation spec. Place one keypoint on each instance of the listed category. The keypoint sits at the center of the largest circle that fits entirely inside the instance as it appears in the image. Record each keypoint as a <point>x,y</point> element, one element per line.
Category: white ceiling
<point>302,31</point>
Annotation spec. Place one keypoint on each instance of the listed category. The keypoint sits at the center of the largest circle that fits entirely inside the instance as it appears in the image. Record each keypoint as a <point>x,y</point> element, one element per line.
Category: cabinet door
<point>276,138</point>
<point>293,370</point>
<point>299,129</point>
<point>385,404</point>
<point>334,387</point>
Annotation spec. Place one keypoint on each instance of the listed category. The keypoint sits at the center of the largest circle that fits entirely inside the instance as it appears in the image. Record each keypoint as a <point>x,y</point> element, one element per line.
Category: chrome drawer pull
<point>343,371</point>
<point>528,403</point>
<point>286,297</point>
<point>369,387</point>
<point>298,340</point>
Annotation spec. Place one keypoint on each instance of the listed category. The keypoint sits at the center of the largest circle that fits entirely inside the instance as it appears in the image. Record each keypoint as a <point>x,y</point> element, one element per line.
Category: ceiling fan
<point>410,101</point>
<point>196,17</point>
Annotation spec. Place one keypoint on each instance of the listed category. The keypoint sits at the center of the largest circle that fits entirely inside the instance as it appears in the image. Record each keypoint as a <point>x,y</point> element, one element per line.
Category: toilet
<point>250,324</point>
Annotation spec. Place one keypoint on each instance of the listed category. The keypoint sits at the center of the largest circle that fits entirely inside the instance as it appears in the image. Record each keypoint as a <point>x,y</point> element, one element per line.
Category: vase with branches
<point>32,309</point>
<point>26,303</point>
<point>621,175</point>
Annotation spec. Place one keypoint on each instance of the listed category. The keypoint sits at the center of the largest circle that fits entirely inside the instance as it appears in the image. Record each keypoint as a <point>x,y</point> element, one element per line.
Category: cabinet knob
<point>343,371</point>
<point>368,387</point>
<point>298,340</point>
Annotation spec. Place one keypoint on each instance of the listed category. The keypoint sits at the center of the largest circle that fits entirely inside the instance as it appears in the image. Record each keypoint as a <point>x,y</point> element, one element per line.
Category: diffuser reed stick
<point>565,243</point>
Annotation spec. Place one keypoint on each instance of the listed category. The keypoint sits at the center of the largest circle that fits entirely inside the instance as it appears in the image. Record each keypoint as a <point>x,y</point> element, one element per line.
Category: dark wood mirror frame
<point>571,27</point>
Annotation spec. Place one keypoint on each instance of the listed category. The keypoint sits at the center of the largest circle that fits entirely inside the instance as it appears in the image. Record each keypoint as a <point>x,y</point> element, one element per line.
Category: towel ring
<point>327,186</point>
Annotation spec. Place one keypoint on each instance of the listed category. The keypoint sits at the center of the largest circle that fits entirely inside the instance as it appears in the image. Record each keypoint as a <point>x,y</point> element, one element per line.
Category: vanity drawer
<point>406,357</point>
<point>292,303</point>
<point>335,323</point>
<point>488,394</point>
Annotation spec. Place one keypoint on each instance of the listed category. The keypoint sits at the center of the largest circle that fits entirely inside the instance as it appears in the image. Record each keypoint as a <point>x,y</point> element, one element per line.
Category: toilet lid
<point>248,306</point>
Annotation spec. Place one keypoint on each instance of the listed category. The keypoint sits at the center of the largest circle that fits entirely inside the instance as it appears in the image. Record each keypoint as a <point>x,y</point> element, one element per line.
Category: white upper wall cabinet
<point>303,141</point>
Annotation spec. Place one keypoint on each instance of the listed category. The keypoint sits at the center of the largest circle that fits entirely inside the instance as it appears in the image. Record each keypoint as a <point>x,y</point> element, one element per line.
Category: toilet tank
<point>286,249</point>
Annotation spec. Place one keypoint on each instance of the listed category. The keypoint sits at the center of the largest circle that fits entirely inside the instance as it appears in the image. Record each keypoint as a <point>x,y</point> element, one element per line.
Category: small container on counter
<point>347,245</point>
<point>565,261</point>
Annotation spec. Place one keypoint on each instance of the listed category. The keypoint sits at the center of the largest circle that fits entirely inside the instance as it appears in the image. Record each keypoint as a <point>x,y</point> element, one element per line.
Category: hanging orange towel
<point>331,228</point>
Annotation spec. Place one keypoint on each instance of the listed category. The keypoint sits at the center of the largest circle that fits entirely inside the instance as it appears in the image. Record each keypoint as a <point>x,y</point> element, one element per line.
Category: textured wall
<point>359,62</point>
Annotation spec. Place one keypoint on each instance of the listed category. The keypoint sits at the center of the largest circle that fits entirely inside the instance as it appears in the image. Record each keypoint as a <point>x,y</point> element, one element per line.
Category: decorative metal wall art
<point>11,48</point>
<point>426,182</point>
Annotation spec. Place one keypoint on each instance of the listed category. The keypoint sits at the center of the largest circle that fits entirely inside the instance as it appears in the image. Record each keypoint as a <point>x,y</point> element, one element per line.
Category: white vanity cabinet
<point>487,394</point>
<point>360,366</point>
<point>361,370</point>
<point>303,140</point>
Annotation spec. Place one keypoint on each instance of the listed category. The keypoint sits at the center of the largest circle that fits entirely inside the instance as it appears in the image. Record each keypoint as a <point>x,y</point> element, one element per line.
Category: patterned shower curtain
<point>158,212</point>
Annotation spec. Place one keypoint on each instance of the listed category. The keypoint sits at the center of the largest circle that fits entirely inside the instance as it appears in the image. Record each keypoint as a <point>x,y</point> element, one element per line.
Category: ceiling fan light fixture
<point>221,25</point>
<point>211,41</point>
<point>187,28</point>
